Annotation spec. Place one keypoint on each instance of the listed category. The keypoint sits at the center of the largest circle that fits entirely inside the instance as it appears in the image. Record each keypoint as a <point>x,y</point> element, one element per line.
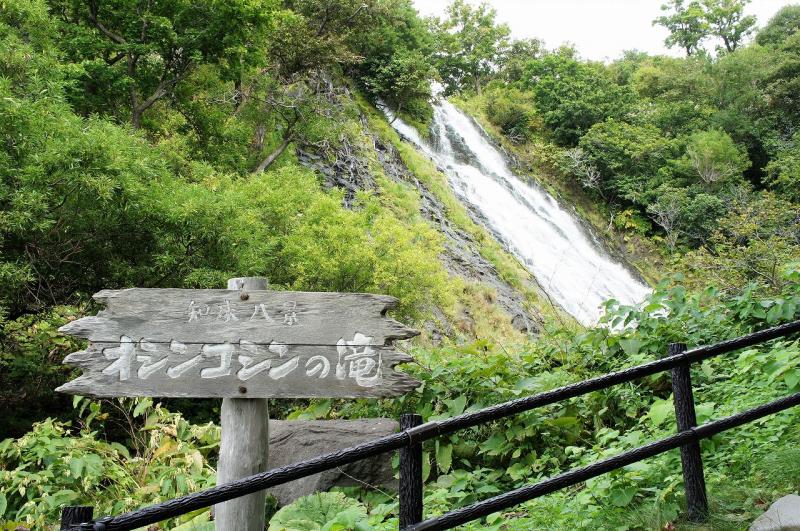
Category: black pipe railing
<point>598,468</point>
<point>678,361</point>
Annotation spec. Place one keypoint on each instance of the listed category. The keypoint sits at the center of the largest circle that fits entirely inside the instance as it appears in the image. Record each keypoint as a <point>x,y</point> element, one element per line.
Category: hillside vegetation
<point>177,144</point>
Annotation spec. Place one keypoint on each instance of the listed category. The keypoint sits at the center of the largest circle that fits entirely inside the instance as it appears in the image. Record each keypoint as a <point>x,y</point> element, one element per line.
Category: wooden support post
<point>244,446</point>
<point>691,459</point>
<point>410,476</point>
<point>72,516</point>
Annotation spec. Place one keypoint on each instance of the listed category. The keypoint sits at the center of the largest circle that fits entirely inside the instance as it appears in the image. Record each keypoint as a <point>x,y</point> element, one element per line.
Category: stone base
<point>294,441</point>
<point>783,515</point>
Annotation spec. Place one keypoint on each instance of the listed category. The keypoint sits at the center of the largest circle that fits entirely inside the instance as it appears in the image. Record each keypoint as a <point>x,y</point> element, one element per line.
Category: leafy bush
<point>714,158</point>
<point>513,113</point>
<point>572,96</point>
<point>631,158</point>
<point>757,241</point>
<point>783,170</point>
<point>471,465</point>
<point>31,350</point>
<point>325,511</point>
<point>57,464</point>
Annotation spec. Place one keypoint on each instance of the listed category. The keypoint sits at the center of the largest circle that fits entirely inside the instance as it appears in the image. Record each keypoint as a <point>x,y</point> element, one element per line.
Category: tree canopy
<point>471,44</point>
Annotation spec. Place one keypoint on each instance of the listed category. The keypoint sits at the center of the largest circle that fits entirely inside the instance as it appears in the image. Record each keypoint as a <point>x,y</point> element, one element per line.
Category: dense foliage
<point>676,151</point>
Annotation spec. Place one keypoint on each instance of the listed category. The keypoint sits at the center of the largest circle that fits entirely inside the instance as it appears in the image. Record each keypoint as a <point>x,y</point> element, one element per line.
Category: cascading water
<point>568,262</point>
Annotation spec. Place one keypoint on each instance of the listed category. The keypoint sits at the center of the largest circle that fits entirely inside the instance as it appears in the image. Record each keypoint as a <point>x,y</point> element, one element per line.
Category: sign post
<point>243,344</point>
<point>244,444</point>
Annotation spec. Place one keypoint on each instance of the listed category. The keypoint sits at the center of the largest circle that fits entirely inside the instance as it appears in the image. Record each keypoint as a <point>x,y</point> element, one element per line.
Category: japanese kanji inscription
<point>217,343</point>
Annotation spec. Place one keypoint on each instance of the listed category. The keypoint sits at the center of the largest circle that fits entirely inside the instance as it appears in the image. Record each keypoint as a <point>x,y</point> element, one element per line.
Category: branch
<point>99,25</point>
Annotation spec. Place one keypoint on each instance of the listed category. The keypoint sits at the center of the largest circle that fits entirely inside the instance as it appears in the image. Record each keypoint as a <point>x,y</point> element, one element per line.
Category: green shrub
<point>325,511</point>
<point>56,464</point>
<point>512,111</point>
<point>31,350</point>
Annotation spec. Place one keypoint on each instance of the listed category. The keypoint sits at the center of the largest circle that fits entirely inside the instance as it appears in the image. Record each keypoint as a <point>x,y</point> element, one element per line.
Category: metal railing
<point>413,433</point>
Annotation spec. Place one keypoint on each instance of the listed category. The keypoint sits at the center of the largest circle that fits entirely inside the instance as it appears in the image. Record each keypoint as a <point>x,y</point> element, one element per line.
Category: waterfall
<point>567,260</point>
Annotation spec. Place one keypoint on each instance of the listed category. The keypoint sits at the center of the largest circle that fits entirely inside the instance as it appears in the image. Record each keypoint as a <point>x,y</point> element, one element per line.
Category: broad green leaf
<point>457,405</point>
<point>3,504</point>
<point>201,522</point>
<point>622,497</point>
<point>528,384</point>
<point>792,379</point>
<point>660,411</point>
<point>563,422</point>
<point>631,346</point>
<point>493,444</point>
<point>143,404</point>
<point>76,467</point>
<point>444,457</point>
<point>775,313</point>
<point>493,518</point>
<point>704,411</point>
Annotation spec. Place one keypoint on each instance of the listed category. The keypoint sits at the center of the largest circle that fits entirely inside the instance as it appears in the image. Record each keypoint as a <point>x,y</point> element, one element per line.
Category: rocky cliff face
<point>461,256</point>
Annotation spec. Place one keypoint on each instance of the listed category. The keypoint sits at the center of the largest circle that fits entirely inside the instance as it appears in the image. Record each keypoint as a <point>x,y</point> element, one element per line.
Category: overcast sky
<point>601,29</point>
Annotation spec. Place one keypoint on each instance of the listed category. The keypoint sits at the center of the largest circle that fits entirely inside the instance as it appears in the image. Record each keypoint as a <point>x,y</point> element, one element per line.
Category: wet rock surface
<point>461,256</point>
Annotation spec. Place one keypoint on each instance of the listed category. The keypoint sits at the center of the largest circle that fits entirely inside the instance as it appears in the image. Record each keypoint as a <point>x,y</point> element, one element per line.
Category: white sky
<point>601,29</point>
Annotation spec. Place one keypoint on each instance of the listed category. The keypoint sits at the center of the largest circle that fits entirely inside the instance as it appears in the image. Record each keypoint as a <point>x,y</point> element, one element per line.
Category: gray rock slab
<point>783,515</point>
<point>294,441</point>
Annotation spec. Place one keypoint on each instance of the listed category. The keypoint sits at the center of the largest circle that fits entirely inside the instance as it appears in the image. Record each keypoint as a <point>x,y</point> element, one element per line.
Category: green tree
<point>686,23</point>
<point>714,158</point>
<point>683,213</point>
<point>783,169</point>
<point>397,50</point>
<point>754,241</point>
<point>742,103</point>
<point>632,159</point>
<point>517,56</point>
<point>571,95</point>
<point>783,87</point>
<point>726,20</point>
<point>403,81</point>
<point>153,47</point>
<point>784,24</point>
<point>512,110</point>
<point>471,45</point>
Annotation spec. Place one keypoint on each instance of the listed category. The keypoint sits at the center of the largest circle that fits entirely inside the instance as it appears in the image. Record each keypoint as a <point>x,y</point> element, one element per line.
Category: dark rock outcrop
<point>294,441</point>
<point>346,171</point>
<point>783,515</point>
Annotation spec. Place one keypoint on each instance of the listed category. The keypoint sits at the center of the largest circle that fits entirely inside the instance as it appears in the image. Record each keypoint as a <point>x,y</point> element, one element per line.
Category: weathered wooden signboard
<point>227,343</point>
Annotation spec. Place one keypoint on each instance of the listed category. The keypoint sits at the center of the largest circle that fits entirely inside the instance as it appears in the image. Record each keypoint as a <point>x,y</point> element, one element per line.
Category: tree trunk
<point>267,162</point>
<point>729,45</point>
<point>136,117</point>
<point>238,94</point>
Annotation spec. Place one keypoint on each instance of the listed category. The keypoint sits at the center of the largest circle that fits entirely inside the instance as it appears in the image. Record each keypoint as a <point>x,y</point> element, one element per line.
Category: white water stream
<point>567,260</point>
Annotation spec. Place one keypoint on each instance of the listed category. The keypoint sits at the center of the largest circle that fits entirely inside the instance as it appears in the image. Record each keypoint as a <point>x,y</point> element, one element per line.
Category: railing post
<point>410,475</point>
<point>72,516</point>
<point>691,459</point>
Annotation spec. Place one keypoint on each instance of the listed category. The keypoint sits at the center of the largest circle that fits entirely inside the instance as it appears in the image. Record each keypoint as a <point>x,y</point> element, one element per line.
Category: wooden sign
<point>226,343</point>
